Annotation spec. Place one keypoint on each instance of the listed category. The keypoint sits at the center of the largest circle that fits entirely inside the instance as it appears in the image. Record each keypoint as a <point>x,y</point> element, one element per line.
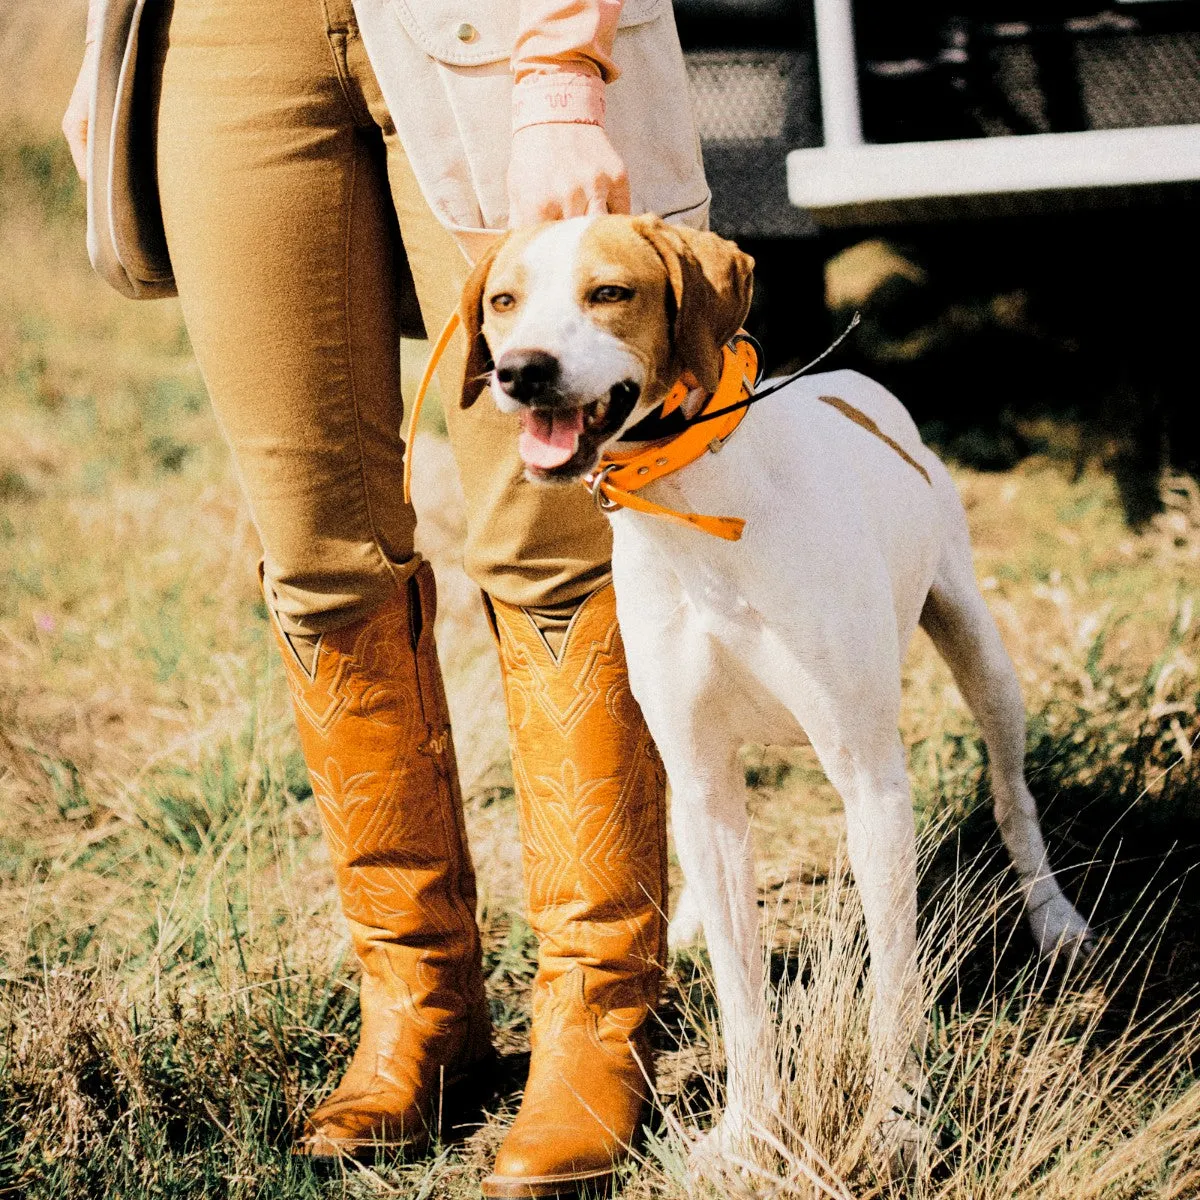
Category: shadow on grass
<point>173,1098</point>
<point>170,1097</point>
<point>1124,838</point>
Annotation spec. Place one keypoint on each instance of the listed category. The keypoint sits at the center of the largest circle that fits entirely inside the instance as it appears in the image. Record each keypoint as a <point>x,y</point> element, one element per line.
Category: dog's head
<point>581,327</point>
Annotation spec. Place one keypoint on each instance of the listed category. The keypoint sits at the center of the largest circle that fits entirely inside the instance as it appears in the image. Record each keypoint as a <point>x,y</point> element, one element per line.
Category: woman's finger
<point>574,201</point>
<point>618,195</point>
<point>598,201</point>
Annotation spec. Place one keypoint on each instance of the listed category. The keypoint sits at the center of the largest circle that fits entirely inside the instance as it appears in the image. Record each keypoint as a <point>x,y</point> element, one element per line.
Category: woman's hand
<point>564,170</point>
<point>75,119</point>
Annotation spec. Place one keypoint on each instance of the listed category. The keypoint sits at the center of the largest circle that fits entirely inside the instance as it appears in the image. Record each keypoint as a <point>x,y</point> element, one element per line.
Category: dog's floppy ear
<point>709,281</point>
<point>470,311</point>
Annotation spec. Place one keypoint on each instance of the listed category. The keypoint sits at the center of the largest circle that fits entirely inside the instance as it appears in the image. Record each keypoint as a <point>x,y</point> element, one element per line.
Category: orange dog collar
<point>620,476</point>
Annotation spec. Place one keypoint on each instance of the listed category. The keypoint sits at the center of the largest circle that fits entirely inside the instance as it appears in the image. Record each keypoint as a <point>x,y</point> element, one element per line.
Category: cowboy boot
<point>375,732</point>
<point>590,796</point>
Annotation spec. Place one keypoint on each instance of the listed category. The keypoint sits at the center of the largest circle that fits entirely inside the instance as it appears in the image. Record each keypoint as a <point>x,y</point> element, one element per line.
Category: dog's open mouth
<point>557,443</point>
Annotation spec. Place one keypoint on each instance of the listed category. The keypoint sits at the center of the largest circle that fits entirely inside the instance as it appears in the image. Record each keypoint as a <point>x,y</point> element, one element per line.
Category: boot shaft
<point>375,731</point>
<point>591,801</point>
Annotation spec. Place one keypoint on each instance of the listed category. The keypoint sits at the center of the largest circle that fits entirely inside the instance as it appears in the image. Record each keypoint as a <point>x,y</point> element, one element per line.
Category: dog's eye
<point>503,301</point>
<point>611,293</point>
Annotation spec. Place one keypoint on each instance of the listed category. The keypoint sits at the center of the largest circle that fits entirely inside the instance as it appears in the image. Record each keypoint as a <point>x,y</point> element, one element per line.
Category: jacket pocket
<point>466,33</point>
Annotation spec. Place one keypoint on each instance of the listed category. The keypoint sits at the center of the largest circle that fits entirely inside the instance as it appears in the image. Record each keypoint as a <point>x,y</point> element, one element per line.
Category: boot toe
<point>562,1140</point>
<point>557,1154</point>
<point>353,1124</point>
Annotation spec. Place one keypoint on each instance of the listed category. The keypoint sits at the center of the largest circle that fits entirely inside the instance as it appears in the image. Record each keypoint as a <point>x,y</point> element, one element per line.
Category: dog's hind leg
<point>961,627</point>
<point>872,779</point>
<point>853,730</point>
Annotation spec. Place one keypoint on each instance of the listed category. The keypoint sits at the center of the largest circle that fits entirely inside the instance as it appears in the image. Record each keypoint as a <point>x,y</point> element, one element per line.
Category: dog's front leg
<point>676,676</point>
<point>713,841</point>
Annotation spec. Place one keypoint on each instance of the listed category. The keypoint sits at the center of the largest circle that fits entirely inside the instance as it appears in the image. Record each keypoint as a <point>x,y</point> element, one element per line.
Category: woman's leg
<point>283,240</point>
<point>590,788</point>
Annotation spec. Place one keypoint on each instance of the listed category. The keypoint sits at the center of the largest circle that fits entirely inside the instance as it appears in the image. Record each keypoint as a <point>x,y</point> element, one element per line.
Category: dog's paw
<point>714,1154</point>
<point>1060,932</point>
<point>899,1142</point>
<point>902,1133</point>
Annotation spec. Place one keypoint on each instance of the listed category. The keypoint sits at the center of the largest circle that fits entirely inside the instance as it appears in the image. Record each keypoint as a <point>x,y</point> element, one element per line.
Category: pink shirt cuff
<point>561,97</point>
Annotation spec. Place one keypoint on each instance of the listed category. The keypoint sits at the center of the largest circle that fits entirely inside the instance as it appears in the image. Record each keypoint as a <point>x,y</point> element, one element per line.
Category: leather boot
<point>590,795</point>
<point>375,731</point>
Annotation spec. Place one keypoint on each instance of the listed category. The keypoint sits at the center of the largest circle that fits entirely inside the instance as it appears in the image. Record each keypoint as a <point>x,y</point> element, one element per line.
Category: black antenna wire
<point>777,384</point>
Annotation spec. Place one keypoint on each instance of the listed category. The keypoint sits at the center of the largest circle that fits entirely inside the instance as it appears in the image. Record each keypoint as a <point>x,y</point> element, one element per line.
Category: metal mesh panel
<point>1016,75</point>
<point>752,107</point>
<point>740,95</point>
<point>995,79</point>
<point>1151,79</point>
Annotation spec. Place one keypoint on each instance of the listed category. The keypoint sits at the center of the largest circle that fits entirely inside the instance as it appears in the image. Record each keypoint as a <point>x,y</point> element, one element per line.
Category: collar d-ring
<point>603,503</point>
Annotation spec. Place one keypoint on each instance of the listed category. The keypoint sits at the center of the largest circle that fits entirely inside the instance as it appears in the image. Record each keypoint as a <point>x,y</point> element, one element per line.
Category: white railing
<point>849,179</point>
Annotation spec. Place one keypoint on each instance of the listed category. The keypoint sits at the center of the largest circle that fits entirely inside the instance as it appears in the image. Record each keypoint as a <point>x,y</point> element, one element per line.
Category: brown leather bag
<point>125,236</point>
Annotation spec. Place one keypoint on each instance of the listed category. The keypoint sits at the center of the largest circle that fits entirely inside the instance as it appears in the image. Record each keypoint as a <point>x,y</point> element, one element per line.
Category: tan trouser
<point>288,202</point>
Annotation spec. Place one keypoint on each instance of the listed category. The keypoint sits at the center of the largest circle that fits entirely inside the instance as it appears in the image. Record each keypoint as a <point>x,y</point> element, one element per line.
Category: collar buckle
<point>760,361</point>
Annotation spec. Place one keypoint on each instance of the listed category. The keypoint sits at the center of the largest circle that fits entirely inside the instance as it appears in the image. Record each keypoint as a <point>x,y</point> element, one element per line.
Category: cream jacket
<point>447,67</point>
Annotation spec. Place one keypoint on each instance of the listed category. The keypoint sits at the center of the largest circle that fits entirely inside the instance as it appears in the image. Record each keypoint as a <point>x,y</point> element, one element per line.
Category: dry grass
<point>172,970</point>
<point>1034,1091</point>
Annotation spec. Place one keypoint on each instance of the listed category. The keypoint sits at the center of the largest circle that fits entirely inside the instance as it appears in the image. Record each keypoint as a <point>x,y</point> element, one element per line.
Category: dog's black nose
<point>527,374</point>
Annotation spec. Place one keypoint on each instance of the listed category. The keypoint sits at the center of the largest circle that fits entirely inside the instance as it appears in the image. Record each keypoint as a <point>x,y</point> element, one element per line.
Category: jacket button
<point>466,32</point>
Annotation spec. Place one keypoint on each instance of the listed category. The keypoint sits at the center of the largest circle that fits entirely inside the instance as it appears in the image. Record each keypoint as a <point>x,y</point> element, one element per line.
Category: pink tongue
<point>549,439</point>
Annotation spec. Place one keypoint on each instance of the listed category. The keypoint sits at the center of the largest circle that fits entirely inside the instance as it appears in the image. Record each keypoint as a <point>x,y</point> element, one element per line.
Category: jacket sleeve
<point>566,37</point>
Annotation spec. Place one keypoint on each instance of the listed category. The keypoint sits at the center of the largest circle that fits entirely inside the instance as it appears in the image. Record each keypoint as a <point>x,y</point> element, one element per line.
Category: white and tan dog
<point>853,537</point>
